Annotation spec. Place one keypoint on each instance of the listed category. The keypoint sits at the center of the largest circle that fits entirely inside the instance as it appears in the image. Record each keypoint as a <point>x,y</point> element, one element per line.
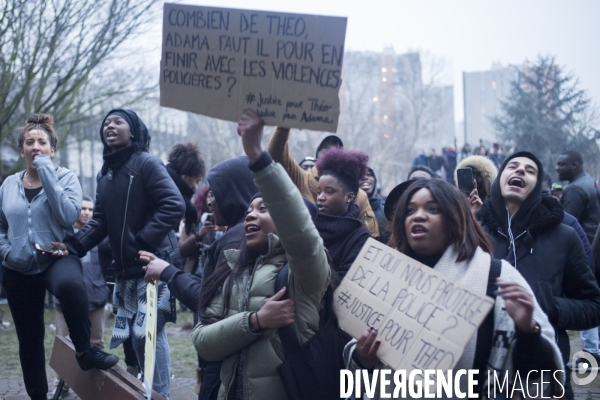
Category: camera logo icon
<point>583,362</point>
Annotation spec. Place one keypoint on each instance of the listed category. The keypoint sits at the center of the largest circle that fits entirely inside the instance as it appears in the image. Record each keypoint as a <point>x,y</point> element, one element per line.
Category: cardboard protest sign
<point>150,347</point>
<point>219,62</point>
<point>424,318</point>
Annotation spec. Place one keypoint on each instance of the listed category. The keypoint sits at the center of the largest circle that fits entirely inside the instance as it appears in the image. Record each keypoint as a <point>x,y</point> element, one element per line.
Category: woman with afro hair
<point>338,222</point>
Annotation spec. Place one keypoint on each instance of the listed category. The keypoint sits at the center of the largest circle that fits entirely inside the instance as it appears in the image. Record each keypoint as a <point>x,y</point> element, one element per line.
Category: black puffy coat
<point>580,199</point>
<point>548,253</point>
<point>233,186</point>
<point>138,206</point>
<point>551,258</point>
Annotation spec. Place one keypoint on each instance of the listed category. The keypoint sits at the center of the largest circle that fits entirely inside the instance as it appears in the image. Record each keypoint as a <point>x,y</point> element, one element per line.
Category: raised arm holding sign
<point>220,62</point>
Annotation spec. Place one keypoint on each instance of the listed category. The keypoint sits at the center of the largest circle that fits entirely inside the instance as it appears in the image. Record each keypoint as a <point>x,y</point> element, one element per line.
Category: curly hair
<point>185,158</point>
<point>41,122</point>
<point>349,167</point>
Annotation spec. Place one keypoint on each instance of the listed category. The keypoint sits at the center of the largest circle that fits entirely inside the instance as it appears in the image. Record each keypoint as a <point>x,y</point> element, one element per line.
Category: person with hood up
<point>484,172</point>
<point>528,232</point>
<point>240,311</point>
<point>369,184</point>
<point>138,206</point>
<point>239,326</point>
<point>307,181</point>
<point>232,185</point>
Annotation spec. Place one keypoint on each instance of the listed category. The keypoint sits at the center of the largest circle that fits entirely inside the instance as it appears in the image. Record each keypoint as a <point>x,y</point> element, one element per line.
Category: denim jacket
<point>48,218</point>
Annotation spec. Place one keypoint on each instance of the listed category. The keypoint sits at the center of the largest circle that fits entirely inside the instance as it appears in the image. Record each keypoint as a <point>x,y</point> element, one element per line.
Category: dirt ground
<point>183,354</point>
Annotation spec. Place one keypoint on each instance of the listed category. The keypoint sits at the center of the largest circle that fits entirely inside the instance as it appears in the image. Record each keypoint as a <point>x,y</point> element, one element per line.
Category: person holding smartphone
<point>38,207</point>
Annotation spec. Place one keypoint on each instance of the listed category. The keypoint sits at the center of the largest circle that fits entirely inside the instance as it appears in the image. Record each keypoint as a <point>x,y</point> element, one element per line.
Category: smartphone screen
<point>465,180</point>
<point>45,249</point>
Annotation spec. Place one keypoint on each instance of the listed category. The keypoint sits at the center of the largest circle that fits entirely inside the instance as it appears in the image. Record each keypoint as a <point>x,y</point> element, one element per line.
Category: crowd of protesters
<point>445,164</point>
<point>258,251</point>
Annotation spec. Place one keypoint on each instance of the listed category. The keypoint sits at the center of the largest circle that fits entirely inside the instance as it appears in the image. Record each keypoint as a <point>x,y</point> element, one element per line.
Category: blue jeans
<point>162,367</point>
<point>590,341</point>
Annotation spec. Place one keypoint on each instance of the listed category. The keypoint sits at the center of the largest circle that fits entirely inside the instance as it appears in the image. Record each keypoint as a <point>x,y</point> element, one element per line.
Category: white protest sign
<point>220,62</point>
<point>424,318</point>
<point>150,348</point>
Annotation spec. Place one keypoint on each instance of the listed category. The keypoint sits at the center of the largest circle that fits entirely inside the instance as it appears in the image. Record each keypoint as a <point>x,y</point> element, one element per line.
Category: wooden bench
<point>113,384</point>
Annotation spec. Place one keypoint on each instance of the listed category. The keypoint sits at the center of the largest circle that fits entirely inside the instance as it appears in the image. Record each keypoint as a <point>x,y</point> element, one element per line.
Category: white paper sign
<point>424,319</point>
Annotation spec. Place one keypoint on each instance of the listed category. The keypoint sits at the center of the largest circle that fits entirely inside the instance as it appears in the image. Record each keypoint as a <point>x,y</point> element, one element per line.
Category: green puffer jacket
<point>298,243</point>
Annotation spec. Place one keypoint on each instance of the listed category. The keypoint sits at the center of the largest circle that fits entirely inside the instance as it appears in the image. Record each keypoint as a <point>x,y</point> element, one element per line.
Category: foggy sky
<point>469,34</point>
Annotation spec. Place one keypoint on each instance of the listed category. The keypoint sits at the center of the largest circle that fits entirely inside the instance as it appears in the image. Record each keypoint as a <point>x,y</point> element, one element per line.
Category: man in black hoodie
<point>528,233</point>
<point>369,184</point>
<point>232,185</point>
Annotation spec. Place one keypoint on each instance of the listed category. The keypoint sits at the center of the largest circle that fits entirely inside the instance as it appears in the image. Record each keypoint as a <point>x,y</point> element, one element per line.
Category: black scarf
<point>191,214</point>
<point>333,227</point>
<point>115,160</point>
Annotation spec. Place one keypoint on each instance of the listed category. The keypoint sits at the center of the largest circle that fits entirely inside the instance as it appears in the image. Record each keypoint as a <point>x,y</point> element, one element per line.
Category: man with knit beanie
<point>528,233</point>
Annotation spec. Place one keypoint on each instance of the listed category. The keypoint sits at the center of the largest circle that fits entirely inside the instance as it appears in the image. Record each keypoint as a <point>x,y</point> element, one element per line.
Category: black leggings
<point>25,293</point>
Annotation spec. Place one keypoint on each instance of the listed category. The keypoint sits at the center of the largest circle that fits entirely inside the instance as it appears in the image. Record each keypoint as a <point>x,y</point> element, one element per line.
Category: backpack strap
<point>485,333</point>
<point>287,334</point>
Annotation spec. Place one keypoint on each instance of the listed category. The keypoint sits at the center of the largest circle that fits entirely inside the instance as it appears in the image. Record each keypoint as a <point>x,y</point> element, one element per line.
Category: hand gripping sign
<point>220,62</point>
<point>424,318</point>
<point>150,349</point>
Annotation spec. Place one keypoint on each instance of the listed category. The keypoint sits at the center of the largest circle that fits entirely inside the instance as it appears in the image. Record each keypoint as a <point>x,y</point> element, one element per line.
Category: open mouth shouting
<point>111,135</point>
<point>417,231</point>
<point>516,182</point>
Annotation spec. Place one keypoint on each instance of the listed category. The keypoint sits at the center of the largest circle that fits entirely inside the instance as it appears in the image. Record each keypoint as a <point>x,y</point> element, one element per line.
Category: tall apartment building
<point>483,94</point>
<point>389,109</point>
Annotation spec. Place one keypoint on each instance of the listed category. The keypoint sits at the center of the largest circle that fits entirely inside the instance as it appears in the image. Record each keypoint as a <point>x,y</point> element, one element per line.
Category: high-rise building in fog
<point>483,94</point>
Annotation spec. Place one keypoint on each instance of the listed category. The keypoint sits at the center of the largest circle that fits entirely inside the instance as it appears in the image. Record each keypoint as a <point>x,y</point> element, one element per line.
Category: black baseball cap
<point>394,196</point>
<point>329,141</point>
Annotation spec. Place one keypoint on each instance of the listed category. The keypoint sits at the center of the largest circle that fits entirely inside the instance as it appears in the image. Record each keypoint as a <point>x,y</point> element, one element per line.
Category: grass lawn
<point>183,354</point>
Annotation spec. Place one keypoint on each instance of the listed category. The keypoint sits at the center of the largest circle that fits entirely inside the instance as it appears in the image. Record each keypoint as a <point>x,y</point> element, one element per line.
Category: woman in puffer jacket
<point>240,313</point>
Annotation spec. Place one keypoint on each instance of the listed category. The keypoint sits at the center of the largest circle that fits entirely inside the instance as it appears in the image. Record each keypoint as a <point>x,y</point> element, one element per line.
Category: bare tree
<point>62,57</point>
<point>389,105</point>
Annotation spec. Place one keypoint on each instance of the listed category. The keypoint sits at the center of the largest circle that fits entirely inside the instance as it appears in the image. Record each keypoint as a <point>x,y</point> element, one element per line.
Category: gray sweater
<point>48,218</point>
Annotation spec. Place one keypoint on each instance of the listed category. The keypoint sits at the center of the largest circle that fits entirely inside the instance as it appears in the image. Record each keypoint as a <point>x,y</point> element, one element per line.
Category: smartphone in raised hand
<point>465,180</point>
